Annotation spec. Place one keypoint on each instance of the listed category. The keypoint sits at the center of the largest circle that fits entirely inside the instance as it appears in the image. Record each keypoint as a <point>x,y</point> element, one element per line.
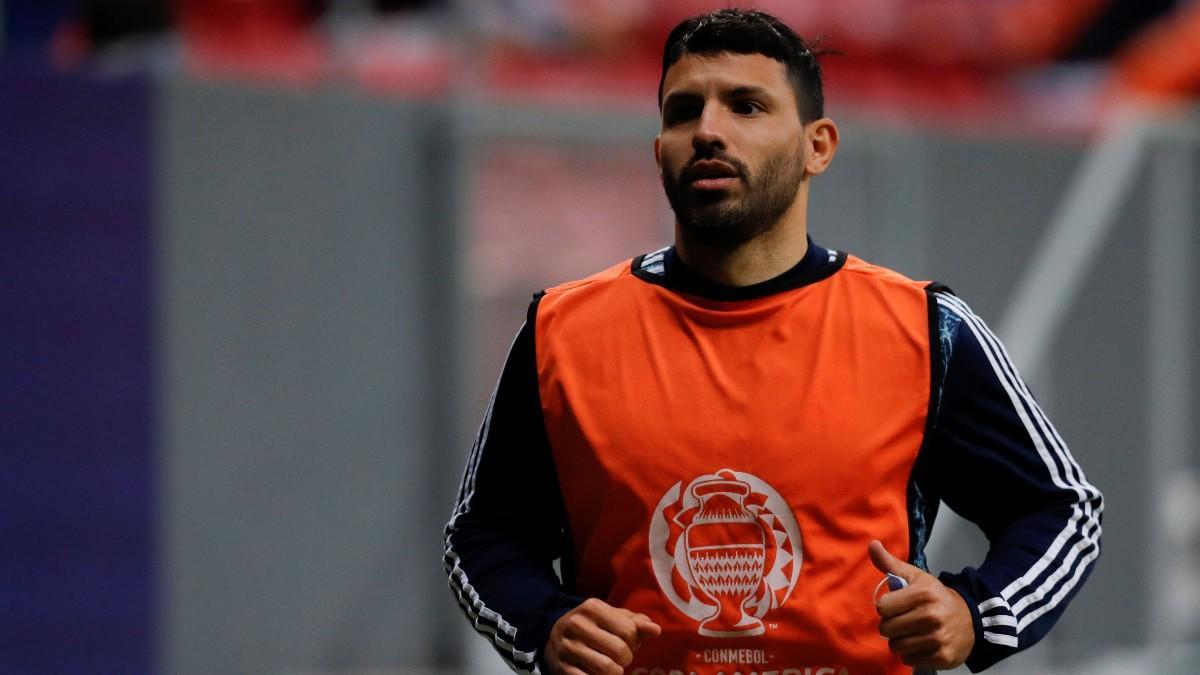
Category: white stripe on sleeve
<point>1084,521</point>
<point>486,621</point>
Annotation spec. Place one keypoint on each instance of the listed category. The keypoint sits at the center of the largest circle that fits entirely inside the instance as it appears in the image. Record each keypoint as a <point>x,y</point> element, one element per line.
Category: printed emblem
<point>726,551</point>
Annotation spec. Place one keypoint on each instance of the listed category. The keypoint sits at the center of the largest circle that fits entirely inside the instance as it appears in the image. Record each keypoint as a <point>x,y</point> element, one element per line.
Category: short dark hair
<point>749,31</point>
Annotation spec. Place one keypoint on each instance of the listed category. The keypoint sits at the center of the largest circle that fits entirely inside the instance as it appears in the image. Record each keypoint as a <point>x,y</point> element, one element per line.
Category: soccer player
<point>735,446</point>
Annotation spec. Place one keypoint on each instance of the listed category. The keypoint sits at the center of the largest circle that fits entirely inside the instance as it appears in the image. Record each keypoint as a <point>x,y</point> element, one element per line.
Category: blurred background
<point>260,261</point>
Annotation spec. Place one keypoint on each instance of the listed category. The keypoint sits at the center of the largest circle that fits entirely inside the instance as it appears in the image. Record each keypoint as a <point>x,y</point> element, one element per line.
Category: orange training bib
<point>725,464</point>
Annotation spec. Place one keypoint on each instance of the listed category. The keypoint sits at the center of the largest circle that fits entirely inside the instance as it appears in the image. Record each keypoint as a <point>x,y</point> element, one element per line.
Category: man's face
<point>731,150</point>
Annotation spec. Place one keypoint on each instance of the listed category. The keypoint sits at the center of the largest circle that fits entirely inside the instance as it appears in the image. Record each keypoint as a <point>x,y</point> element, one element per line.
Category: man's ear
<point>658,157</point>
<point>821,141</point>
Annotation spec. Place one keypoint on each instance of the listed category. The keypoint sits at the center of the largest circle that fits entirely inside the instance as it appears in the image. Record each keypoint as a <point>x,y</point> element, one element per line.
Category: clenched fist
<point>596,638</point>
<point>927,624</point>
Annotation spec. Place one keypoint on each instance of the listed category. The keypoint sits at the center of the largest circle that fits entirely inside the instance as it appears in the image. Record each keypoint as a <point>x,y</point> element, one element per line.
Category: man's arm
<point>508,527</point>
<point>996,460</point>
<point>508,524</point>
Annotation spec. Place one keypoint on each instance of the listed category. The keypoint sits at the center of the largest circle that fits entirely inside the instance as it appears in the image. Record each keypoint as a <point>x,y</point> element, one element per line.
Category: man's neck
<point>764,257</point>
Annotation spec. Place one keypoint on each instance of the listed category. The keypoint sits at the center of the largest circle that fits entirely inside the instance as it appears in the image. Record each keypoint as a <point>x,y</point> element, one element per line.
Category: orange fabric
<point>1034,31</point>
<point>724,464</point>
<point>1165,58</point>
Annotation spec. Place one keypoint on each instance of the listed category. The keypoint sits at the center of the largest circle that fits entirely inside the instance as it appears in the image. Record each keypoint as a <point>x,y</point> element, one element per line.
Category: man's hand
<point>926,623</point>
<point>596,638</point>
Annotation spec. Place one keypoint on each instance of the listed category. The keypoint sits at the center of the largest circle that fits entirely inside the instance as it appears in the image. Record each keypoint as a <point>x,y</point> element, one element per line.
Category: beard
<point>717,219</point>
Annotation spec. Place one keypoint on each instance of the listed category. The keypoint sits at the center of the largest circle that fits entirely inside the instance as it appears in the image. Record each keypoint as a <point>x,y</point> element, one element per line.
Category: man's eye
<point>681,113</point>
<point>746,107</point>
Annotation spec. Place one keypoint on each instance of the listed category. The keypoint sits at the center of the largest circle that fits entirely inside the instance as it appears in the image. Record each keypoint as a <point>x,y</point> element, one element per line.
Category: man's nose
<point>710,129</point>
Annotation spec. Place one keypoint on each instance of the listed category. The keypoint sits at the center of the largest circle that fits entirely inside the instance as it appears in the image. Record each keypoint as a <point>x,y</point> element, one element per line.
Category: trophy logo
<point>726,550</point>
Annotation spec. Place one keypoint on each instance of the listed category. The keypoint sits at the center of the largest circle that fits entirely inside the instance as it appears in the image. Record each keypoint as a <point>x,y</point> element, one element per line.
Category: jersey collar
<point>664,268</point>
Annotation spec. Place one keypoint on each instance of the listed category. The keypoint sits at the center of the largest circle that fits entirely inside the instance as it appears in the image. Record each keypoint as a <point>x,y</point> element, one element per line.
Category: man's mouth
<point>711,174</point>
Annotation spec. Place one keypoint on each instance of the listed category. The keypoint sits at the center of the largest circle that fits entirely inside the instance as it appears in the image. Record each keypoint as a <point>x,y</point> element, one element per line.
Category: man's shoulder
<point>606,277</point>
<point>871,273</point>
<point>594,301</point>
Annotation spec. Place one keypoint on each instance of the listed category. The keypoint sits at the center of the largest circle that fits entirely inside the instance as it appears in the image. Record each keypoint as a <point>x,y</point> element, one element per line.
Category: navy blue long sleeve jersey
<point>991,455</point>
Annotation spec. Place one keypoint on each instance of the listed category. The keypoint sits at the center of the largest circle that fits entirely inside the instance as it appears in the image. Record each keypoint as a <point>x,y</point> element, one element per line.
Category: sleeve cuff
<point>984,654</point>
<point>563,603</point>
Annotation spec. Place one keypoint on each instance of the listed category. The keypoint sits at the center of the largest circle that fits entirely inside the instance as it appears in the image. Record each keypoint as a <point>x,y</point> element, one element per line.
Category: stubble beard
<point>717,219</point>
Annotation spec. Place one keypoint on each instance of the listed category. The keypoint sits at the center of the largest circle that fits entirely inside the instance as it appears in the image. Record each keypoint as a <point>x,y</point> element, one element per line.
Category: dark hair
<point>748,31</point>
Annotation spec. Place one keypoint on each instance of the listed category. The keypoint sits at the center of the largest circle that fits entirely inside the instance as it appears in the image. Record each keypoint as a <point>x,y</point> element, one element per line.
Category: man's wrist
<point>564,603</point>
<point>959,585</point>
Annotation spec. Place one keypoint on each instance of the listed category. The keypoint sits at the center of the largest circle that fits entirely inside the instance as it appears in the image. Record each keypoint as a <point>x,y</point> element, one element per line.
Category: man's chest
<point>826,432</point>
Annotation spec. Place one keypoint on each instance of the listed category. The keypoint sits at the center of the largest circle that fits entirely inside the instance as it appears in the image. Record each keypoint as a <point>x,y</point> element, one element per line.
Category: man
<point>736,446</point>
